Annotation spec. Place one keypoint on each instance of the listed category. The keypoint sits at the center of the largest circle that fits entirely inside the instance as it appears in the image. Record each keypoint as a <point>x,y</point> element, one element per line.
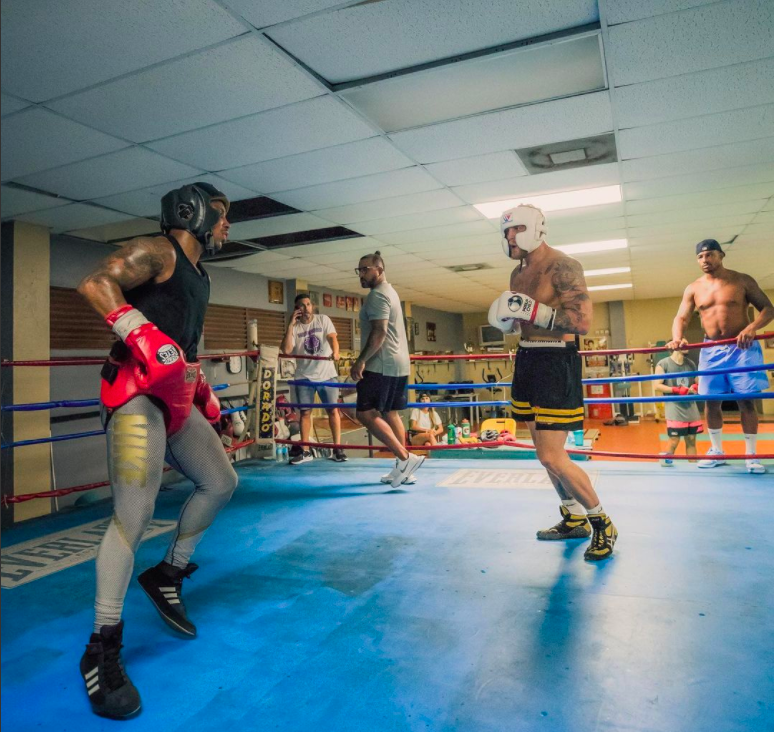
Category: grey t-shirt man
<point>679,411</point>
<point>392,359</point>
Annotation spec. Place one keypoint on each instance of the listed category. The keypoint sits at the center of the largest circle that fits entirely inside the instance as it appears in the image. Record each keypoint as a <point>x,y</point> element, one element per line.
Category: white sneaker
<point>665,462</point>
<point>389,476</point>
<point>755,466</point>
<point>710,463</point>
<point>406,468</point>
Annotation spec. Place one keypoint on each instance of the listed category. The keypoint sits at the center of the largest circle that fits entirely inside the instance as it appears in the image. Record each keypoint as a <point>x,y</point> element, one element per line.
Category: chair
<point>499,424</point>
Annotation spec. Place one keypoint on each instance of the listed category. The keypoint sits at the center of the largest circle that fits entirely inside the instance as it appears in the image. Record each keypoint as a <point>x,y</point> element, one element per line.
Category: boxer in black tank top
<point>153,292</point>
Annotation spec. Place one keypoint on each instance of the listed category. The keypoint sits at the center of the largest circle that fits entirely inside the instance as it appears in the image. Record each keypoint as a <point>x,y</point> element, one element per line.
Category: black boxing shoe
<point>570,527</point>
<point>110,691</point>
<point>162,584</point>
<point>603,541</point>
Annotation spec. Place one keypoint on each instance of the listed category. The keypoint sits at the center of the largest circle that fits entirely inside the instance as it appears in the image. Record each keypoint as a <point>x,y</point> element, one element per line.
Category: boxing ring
<point>328,601</point>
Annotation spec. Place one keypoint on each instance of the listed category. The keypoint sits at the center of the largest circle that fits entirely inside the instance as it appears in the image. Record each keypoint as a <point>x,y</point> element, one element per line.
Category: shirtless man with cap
<point>722,297</point>
<point>548,302</point>
<point>156,406</point>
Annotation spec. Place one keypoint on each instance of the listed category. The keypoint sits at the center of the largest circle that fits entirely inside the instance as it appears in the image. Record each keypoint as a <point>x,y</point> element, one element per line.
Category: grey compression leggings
<point>137,447</point>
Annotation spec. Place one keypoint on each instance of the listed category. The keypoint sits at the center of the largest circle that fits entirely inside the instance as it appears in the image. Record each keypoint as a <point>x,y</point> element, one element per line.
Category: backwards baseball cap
<point>708,245</point>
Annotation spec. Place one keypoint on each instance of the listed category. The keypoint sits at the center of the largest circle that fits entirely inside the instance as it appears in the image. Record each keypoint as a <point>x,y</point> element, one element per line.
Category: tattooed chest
<point>538,285</point>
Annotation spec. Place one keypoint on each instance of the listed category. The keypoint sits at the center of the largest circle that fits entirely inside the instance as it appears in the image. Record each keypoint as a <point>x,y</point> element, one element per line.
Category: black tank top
<point>177,307</point>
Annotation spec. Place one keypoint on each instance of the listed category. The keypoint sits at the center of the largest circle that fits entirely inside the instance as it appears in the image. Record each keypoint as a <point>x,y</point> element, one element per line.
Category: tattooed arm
<point>573,314</point>
<point>137,262</point>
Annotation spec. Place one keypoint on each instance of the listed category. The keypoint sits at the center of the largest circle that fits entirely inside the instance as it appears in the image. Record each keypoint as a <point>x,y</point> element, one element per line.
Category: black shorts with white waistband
<point>547,387</point>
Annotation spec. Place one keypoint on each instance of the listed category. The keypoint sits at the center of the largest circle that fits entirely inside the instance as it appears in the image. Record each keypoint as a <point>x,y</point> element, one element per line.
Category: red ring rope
<point>526,446</point>
<point>450,357</point>
<point>89,486</point>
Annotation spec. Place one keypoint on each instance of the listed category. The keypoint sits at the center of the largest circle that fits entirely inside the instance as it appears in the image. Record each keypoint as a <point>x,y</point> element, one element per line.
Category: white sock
<point>573,506</point>
<point>595,510</point>
<point>716,438</point>
<point>749,444</point>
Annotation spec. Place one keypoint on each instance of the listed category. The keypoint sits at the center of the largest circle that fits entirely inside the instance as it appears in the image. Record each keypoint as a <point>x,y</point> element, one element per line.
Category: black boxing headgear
<point>189,208</point>
<point>708,245</point>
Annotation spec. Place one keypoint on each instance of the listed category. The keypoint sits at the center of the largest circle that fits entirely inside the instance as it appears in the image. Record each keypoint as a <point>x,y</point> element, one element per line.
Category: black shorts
<point>547,387</point>
<point>682,431</point>
<point>382,393</point>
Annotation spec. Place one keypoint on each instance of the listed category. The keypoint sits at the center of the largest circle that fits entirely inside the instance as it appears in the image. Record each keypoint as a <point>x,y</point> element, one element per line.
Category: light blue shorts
<point>328,394</point>
<point>728,357</point>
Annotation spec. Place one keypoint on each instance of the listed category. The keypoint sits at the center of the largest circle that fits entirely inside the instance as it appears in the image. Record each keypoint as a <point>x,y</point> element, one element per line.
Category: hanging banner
<point>267,393</point>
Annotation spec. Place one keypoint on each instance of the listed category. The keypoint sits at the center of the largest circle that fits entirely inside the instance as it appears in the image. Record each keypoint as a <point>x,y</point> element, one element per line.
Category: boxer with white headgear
<point>548,300</point>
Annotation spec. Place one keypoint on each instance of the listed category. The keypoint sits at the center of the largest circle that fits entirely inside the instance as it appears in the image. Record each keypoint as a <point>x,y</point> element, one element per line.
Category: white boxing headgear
<point>524,215</point>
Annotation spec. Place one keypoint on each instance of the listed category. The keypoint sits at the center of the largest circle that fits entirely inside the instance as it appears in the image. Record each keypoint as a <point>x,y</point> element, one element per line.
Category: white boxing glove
<point>517,306</point>
<point>508,326</point>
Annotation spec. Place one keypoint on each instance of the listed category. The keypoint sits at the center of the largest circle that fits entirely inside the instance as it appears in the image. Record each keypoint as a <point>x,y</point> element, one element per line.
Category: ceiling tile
<point>9,104</point>
<point>265,13</point>
<point>694,161</point>
<point>14,201</point>
<point>693,95</point>
<point>398,206</point>
<point>147,201</point>
<point>37,139</point>
<point>701,198</point>
<point>709,214</point>
<point>121,171</point>
<point>673,44</point>
<point>277,225</point>
<point>449,231</point>
<point>694,182</point>
<point>226,73</point>
<point>625,11</point>
<point>425,219</point>
<point>350,160</point>
<point>358,190</point>
<point>565,180</point>
<point>478,169</point>
<point>72,216</point>
<point>373,38</point>
<point>536,124</point>
<point>121,231</point>
<point>699,132</point>
<point>298,128</point>
<point>51,49</point>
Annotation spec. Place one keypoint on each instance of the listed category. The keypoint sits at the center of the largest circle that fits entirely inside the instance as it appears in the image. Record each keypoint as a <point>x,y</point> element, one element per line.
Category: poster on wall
<point>341,302</point>
<point>350,303</point>
<point>327,299</point>
<point>314,298</point>
<point>357,304</point>
<point>431,332</point>
<point>276,292</point>
<point>595,344</point>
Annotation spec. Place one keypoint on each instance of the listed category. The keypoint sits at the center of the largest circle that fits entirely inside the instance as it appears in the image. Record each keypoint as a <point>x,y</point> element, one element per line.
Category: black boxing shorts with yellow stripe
<point>547,387</point>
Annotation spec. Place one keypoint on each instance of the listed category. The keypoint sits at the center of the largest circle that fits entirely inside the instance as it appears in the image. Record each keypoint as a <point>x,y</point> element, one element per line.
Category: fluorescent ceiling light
<point>555,201</point>
<point>593,246</point>
<point>610,287</point>
<point>608,271</point>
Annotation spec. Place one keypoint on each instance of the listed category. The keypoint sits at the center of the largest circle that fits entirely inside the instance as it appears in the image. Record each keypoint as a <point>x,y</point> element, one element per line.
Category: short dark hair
<point>375,259</point>
<point>302,296</point>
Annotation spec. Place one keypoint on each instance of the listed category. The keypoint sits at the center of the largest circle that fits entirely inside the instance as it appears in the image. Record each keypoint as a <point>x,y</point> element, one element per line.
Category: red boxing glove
<point>206,401</point>
<point>158,356</point>
<point>681,390</point>
<point>693,388</point>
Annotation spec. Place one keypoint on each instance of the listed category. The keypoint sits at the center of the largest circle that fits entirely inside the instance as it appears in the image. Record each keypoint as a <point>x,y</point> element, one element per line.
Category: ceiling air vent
<point>569,154</point>
<point>468,267</point>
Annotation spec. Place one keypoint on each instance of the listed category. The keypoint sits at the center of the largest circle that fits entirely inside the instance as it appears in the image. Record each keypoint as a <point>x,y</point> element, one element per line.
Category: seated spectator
<point>425,426</point>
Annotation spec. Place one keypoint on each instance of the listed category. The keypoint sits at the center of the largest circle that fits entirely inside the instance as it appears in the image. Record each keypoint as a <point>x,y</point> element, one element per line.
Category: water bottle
<point>452,434</point>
